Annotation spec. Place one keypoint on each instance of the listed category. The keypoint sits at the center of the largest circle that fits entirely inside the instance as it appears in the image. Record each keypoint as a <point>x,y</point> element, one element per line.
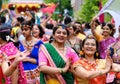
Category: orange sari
<point>100,64</point>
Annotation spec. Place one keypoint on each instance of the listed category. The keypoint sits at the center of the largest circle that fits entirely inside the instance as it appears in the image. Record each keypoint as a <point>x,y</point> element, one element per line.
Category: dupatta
<point>56,60</point>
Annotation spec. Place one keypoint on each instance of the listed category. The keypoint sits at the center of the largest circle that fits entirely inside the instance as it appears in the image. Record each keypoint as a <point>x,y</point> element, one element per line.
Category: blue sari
<point>33,54</point>
<point>30,69</point>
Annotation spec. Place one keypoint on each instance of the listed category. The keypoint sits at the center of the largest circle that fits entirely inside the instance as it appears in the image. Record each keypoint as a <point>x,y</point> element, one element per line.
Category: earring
<point>81,52</point>
<point>97,54</point>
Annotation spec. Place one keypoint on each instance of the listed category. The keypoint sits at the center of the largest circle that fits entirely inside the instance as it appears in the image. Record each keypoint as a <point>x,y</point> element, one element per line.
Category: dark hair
<point>27,24</point>
<point>111,27</point>
<point>67,20</point>
<point>97,21</point>
<point>20,19</point>
<point>4,34</point>
<point>55,29</point>
<point>87,25</point>
<point>3,19</point>
<point>73,26</point>
<point>92,37</point>
<point>49,26</point>
<point>7,33</point>
<point>42,32</point>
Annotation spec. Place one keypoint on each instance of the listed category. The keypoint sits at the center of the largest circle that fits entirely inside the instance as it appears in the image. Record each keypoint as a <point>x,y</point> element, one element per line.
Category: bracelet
<point>76,67</point>
<point>61,70</point>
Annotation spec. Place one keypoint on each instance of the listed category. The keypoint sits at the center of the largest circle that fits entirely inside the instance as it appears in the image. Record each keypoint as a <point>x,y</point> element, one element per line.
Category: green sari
<point>59,62</point>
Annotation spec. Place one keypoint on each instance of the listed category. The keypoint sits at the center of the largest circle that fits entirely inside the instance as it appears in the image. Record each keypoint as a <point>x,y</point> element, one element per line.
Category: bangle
<point>100,72</point>
<point>76,67</point>
<point>61,70</point>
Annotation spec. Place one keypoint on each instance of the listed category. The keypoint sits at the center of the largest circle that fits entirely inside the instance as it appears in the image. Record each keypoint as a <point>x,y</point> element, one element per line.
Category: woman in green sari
<point>54,59</point>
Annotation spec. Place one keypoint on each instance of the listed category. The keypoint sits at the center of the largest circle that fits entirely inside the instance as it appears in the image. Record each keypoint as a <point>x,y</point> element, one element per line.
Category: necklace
<point>62,50</point>
<point>72,42</point>
<point>29,44</point>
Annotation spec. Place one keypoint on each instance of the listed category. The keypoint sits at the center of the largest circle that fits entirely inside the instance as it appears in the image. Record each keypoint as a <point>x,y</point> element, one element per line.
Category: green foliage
<point>0,4</point>
<point>89,9</point>
<point>66,4</point>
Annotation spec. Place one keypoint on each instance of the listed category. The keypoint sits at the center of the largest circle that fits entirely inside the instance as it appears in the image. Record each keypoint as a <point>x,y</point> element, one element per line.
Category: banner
<point>101,17</point>
<point>113,8</point>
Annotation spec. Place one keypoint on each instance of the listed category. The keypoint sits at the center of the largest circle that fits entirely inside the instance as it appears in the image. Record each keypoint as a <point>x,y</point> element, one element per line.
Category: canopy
<point>26,1</point>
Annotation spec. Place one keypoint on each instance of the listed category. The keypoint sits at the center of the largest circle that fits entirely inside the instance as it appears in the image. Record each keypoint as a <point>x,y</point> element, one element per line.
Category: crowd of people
<point>56,51</point>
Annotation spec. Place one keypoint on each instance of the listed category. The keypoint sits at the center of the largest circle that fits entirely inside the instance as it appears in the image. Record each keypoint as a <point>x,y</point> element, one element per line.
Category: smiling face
<point>60,35</point>
<point>71,30</point>
<point>89,47</point>
<point>26,31</point>
<point>106,31</point>
<point>35,31</point>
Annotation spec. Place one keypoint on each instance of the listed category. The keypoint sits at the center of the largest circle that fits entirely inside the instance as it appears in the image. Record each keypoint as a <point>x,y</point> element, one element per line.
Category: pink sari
<point>10,50</point>
<point>45,59</point>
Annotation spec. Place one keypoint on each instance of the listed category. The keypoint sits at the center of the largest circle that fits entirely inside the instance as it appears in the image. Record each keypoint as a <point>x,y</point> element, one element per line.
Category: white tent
<point>113,8</point>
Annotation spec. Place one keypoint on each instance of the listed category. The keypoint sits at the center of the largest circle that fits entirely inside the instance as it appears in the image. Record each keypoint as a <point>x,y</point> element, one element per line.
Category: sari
<point>115,53</point>
<point>104,44</point>
<point>100,64</point>
<point>76,46</point>
<point>49,56</point>
<point>30,69</point>
<point>2,77</point>
<point>10,50</point>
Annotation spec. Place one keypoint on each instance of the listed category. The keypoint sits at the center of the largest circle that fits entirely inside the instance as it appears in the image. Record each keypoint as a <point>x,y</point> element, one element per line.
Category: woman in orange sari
<point>90,69</point>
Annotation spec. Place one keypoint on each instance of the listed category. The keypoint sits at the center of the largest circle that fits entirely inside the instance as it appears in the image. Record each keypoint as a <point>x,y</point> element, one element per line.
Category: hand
<point>92,24</point>
<point>20,56</point>
<point>5,57</point>
<point>108,52</point>
<point>26,59</point>
<point>67,66</point>
<point>108,63</point>
<point>94,18</point>
<point>25,53</point>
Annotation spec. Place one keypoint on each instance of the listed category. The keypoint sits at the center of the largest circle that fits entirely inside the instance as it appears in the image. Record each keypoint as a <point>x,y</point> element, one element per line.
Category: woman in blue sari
<point>32,45</point>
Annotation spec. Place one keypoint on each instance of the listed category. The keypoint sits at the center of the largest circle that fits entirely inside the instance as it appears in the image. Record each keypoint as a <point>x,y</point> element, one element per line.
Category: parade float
<point>23,5</point>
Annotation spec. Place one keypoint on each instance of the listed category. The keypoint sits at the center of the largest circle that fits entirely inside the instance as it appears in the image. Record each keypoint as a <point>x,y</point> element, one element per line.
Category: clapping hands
<point>108,62</point>
<point>20,56</point>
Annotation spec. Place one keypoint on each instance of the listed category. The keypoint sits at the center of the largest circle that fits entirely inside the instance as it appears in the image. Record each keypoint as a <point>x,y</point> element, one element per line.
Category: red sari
<point>2,80</point>
<point>100,64</point>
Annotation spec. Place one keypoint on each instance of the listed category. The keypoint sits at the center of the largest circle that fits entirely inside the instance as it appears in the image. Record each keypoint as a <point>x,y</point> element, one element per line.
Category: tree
<point>0,4</point>
<point>66,4</point>
<point>89,9</point>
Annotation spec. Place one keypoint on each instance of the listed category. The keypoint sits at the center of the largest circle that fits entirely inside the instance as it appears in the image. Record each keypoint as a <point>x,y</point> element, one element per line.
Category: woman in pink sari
<point>54,59</point>
<point>104,39</point>
<point>10,59</point>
